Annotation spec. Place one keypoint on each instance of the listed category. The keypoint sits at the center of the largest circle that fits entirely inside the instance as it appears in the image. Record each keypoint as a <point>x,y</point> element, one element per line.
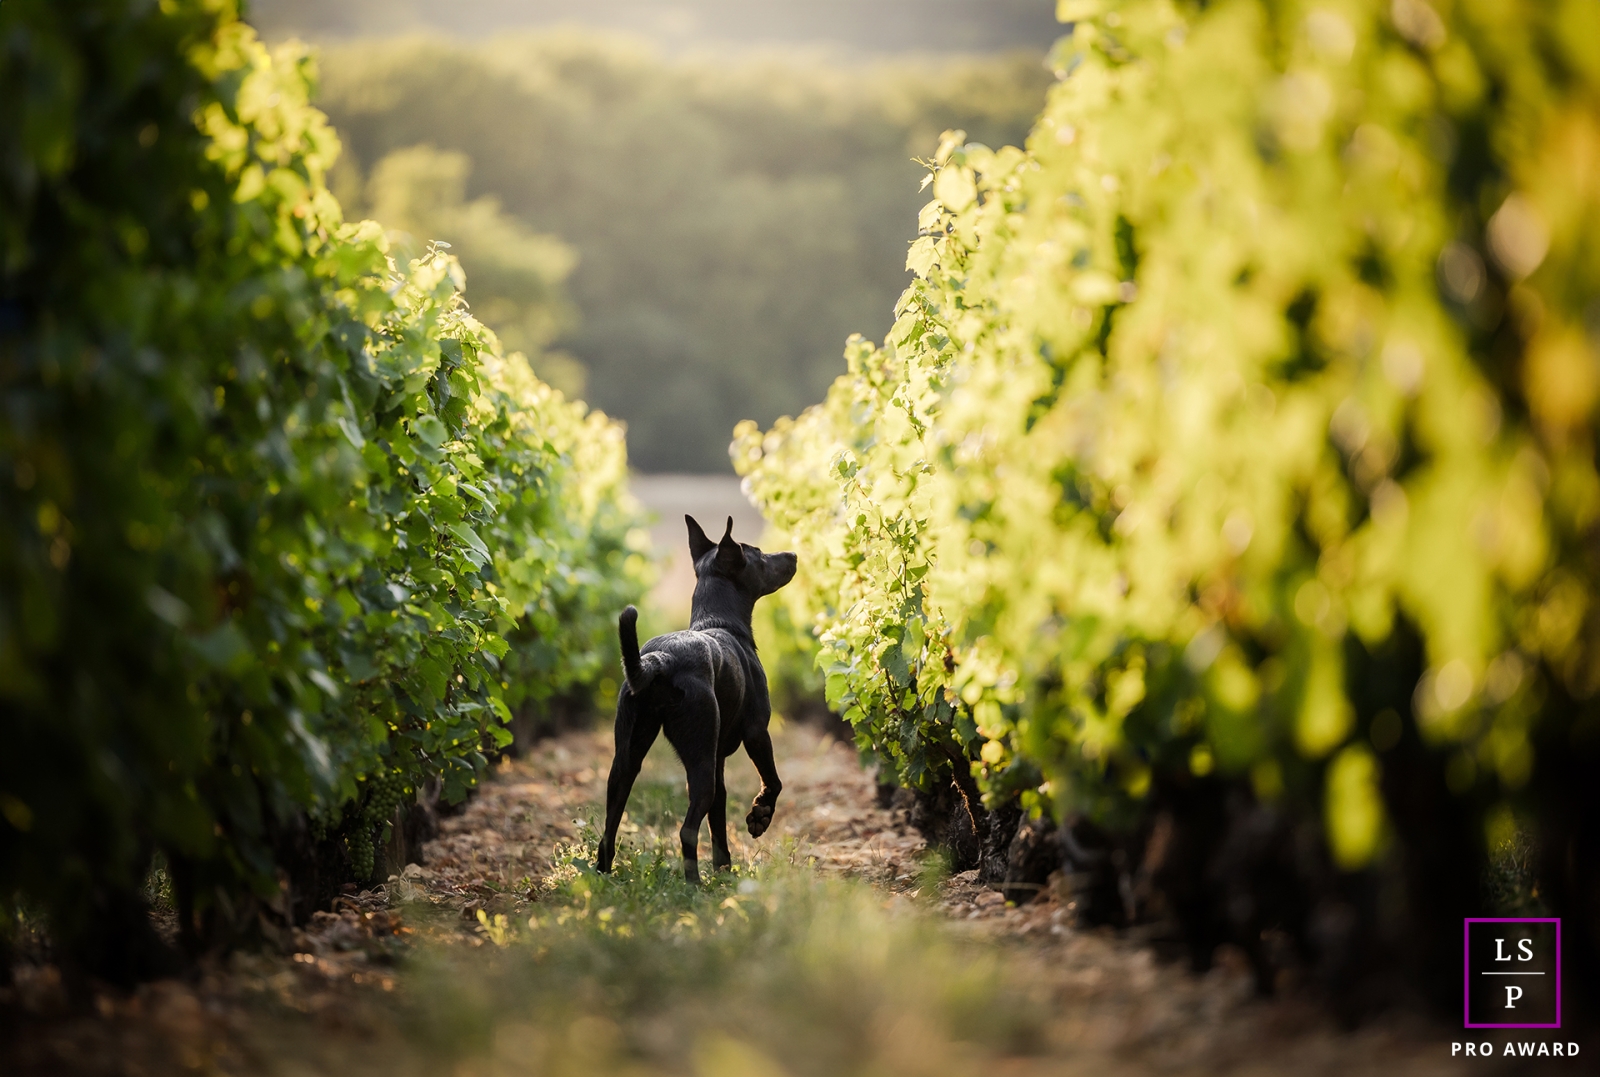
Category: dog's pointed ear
<point>730,555</point>
<point>699,544</point>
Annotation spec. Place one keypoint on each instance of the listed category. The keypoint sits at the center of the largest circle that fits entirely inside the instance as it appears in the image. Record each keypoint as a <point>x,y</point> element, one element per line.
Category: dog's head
<point>753,572</point>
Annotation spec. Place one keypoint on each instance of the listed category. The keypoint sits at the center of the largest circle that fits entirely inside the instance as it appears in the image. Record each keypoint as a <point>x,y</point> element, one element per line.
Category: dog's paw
<point>759,819</point>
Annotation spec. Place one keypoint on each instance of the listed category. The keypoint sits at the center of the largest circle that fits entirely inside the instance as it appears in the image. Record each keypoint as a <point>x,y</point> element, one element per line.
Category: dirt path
<point>1099,1003</point>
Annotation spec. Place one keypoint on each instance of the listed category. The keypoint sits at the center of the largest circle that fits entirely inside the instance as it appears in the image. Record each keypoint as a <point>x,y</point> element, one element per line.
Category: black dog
<point>706,688</point>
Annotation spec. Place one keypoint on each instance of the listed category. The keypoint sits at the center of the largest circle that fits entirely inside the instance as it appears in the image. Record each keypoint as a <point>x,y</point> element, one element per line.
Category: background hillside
<point>875,26</point>
<point>713,226</point>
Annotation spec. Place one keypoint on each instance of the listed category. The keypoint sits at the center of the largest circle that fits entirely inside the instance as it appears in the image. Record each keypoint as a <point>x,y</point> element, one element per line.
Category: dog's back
<point>715,654</point>
<point>678,666</point>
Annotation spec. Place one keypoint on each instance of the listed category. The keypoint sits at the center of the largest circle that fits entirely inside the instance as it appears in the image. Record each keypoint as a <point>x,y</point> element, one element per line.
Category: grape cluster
<point>385,790</point>
<point>359,844</point>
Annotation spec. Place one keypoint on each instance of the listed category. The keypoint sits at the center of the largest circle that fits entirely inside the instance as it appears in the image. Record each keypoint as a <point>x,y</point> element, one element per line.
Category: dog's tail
<point>632,665</point>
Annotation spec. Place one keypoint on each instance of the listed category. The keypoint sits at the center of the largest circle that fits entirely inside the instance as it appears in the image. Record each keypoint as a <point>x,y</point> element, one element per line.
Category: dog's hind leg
<point>702,786</point>
<point>693,732</point>
<point>720,857</point>
<point>758,746</point>
<point>636,731</point>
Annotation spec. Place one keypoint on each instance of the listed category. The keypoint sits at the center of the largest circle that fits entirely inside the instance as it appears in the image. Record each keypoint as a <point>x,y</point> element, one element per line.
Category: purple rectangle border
<point>1466,964</point>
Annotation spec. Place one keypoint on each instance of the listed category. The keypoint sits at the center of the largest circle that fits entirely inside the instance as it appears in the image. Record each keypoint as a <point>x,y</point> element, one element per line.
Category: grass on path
<point>831,948</point>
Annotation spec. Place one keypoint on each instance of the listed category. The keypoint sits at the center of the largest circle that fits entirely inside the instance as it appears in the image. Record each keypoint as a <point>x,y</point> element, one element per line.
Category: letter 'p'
<point>1512,994</point>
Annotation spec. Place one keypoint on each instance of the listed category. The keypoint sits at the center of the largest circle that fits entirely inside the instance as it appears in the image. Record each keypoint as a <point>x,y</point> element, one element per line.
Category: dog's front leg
<point>758,746</point>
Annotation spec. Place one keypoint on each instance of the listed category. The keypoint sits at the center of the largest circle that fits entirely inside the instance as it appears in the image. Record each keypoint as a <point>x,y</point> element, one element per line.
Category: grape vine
<point>1238,425</point>
<point>275,511</point>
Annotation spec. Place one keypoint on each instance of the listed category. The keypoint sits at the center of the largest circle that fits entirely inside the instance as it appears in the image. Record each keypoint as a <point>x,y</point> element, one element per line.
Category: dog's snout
<point>786,565</point>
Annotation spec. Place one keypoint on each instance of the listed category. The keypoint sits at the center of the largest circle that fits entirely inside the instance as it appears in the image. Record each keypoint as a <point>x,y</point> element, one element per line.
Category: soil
<point>325,1007</point>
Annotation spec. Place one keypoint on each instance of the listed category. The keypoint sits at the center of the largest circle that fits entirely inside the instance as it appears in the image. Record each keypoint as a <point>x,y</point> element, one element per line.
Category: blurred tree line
<point>875,27</point>
<point>723,225</point>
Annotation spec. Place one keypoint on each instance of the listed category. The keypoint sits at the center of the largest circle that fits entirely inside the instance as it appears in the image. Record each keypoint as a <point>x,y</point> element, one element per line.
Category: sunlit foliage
<point>518,276</point>
<point>1244,422</point>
